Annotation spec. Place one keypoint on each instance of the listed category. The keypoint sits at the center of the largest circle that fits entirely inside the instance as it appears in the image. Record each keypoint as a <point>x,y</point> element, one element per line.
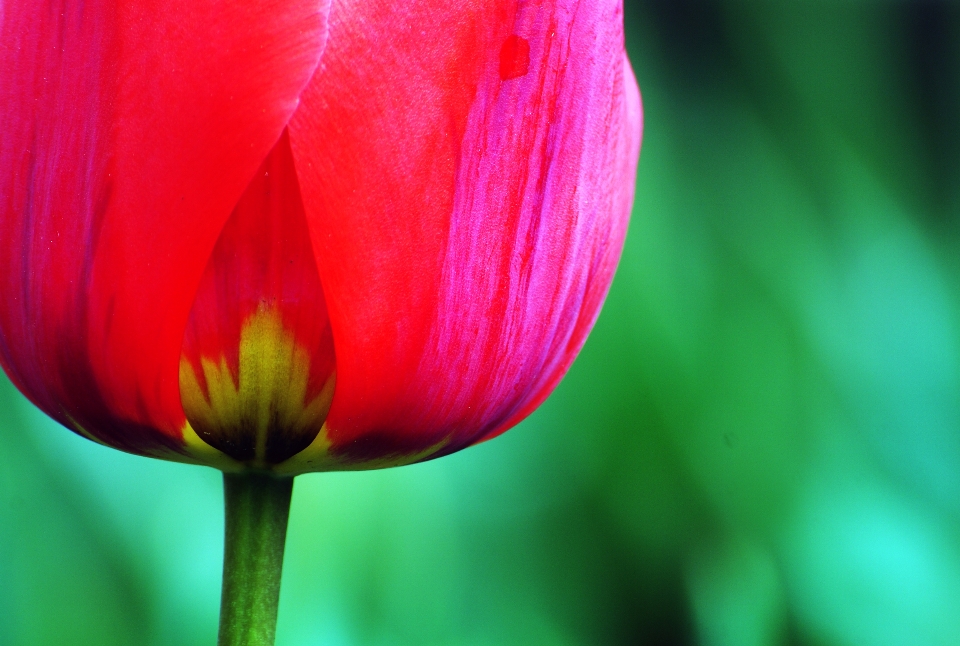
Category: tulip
<point>280,236</point>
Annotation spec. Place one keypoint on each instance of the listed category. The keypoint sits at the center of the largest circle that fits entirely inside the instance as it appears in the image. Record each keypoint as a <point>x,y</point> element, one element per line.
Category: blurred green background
<point>759,445</point>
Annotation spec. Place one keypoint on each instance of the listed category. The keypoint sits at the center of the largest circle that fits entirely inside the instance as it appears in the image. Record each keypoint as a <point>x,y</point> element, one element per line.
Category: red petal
<point>467,170</point>
<point>130,130</point>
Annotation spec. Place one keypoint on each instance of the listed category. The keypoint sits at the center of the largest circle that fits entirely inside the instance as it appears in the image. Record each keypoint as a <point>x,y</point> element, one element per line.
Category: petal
<point>130,131</point>
<point>467,170</point>
<point>257,369</point>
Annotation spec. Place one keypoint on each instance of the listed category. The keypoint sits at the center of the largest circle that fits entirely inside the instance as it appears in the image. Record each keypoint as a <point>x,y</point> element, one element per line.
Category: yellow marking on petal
<point>197,451</point>
<point>317,457</point>
<point>400,459</point>
<point>269,393</point>
<point>82,431</point>
<point>203,453</point>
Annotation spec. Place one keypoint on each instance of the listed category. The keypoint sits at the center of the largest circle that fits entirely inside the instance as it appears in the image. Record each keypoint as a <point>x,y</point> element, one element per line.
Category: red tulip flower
<point>278,236</point>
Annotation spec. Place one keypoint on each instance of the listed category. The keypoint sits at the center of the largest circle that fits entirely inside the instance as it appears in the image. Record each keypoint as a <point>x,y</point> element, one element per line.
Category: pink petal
<point>467,208</point>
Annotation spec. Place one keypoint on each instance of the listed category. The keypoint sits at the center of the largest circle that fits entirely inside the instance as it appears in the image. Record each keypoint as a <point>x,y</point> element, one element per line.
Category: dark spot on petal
<point>383,445</point>
<point>514,57</point>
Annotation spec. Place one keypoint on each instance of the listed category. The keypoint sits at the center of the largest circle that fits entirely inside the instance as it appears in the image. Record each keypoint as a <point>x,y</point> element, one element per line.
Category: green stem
<point>257,507</point>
